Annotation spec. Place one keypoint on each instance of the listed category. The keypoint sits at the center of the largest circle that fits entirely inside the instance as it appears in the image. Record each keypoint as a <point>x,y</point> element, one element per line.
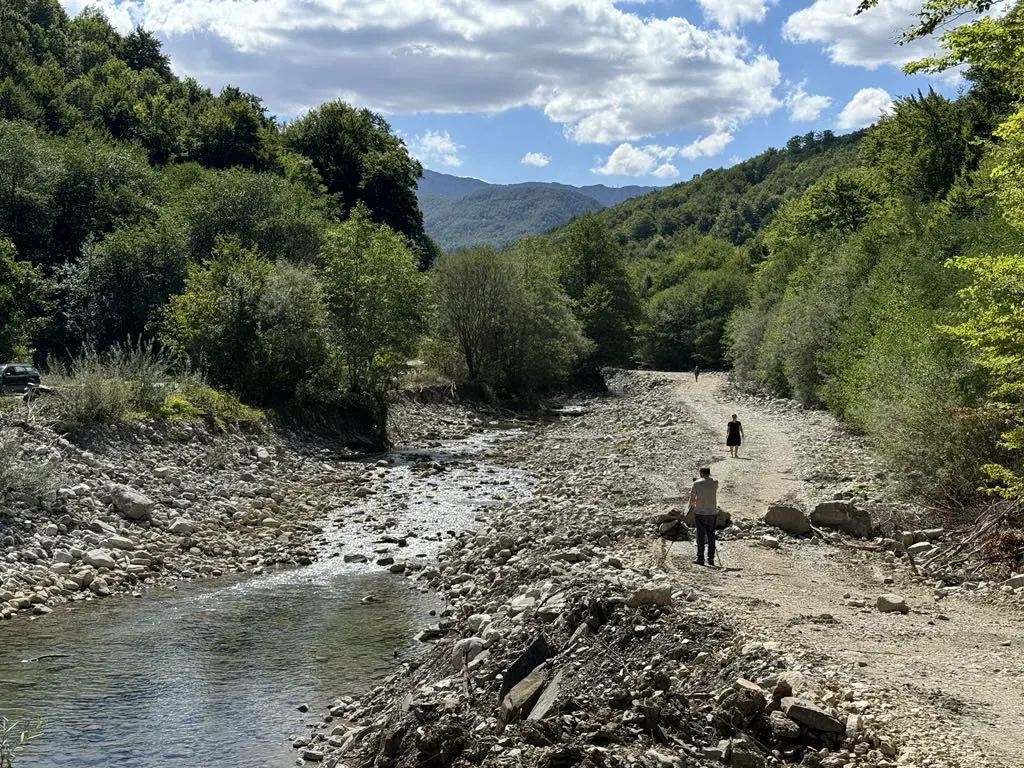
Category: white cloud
<point>868,40</point>
<point>603,72</point>
<point>805,106</point>
<point>653,159</point>
<point>666,171</point>
<point>435,147</point>
<point>536,159</point>
<point>866,106</point>
<point>706,146</point>
<point>732,13</point>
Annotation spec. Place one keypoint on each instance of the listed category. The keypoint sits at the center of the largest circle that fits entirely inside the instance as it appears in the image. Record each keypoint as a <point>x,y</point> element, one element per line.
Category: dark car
<point>16,377</point>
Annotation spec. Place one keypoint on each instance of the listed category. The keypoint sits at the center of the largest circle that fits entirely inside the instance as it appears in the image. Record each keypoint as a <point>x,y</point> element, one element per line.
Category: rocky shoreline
<point>156,503</point>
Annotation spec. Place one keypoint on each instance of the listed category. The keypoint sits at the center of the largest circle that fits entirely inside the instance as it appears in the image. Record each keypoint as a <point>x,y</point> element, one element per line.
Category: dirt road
<point>956,666</point>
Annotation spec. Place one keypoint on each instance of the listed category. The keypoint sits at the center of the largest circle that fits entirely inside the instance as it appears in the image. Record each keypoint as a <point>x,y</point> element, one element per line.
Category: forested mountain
<point>731,204</point>
<point>497,215</point>
<point>460,211</point>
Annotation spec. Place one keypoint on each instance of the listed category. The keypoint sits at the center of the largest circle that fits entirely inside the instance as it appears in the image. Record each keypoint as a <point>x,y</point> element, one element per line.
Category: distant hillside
<point>499,215</point>
<point>732,204</point>
<point>460,211</point>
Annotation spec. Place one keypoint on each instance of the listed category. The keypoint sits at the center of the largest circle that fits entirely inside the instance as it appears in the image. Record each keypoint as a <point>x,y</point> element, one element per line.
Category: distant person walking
<point>704,503</point>
<point>734,437</point>
<point>696,373</point>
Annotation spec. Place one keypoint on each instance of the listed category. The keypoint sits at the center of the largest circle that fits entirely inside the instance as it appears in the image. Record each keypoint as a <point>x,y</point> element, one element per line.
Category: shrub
<point>15,737</point>
<point>33,475</point>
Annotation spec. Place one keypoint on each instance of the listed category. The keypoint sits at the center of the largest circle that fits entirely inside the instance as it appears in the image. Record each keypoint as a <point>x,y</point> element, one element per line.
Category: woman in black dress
<point>734,437</point>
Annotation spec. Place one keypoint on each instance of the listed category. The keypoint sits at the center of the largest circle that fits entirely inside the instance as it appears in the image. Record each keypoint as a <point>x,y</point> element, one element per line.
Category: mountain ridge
<point>461,211</point>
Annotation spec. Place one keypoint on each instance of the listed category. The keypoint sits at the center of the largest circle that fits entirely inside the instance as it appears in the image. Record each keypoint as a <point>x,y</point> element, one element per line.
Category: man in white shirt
<point>704,503</point>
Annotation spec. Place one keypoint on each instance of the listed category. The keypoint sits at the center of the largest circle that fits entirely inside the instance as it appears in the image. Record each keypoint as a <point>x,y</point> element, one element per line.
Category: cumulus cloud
<point>666,171</point>
<point>732,13</point>
<point>706,146</point>
<point>805,106</point>
<point>435,147</point>
<point>536,159</point>
<point>868,40</point>
<point>653,159</point>
<point>603,72</point>
<point>866,106</point>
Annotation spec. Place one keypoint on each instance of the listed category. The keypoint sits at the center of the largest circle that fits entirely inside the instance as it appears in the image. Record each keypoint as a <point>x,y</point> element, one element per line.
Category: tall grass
<point>131,381</point>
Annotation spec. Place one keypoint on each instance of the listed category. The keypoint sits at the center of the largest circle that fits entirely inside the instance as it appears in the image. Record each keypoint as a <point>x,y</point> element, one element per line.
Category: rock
<point>843,516</point>
<point>466,650</point>
<point>131,504</point>
<point>312,755</point>
<point>355,558</point>
<point>1015,581</point>
<point>536,653</point>
<point>523,694</point>
<point>770,542</point>
<point>920,549</point>
<point>789,684</point>
<point>892,603</point>
<point>547,699</point>
<point>789,519</point>
<point>182,527</point>
<point>782,726</point>
<point>99,558</point>
<point>807,714</point>
<point>743,754</point>
<point>660,596</point>
<point>120,542</point>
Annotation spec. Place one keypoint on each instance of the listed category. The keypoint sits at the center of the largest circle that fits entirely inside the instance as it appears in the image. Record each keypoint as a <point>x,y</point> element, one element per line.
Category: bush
<point>131,381</point>
<point>23,473</point>
<point>15,737</point>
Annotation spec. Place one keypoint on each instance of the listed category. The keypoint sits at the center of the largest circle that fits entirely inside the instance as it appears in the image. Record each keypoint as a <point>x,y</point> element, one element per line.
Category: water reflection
<point>204,677</point>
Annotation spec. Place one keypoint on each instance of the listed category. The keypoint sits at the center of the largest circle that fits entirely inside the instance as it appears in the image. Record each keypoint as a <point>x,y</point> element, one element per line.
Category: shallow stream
<point>213,673</point>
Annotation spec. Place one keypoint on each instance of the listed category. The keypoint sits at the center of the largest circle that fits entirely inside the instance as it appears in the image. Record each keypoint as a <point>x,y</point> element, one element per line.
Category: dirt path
<point>957,665</point>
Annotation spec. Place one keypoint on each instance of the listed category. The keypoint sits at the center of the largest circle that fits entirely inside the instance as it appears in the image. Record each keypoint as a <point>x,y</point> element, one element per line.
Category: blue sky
<point>577,91</point>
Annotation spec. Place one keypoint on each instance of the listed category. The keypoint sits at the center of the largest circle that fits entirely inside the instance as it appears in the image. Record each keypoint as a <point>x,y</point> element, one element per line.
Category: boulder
<point>131,504</point>
<point>466,650</point>
<point>522,696</point>
<point>807,714</point>
<point>120,542</point>
<point>789,519</point>
<point>891,603</point>
<point>782,726</point>
<point>843,516</point>
<point>1015,581</point>
<point>724,519</point>
<point>100,558</point>
<point>182,527</point>
<point>660,596</point>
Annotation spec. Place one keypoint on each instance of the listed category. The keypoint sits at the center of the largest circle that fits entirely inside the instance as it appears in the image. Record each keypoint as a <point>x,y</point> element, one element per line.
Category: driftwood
<point>963,555</point>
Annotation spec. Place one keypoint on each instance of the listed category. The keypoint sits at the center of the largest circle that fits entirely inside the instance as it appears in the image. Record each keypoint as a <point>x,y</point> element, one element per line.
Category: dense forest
<point>878,274</point>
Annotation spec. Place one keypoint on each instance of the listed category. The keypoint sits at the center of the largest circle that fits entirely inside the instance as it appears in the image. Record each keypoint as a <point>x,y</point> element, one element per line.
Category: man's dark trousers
<point>706,536</point>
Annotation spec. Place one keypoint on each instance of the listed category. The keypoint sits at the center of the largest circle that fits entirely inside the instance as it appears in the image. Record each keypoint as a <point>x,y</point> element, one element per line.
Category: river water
<point>213,673</point>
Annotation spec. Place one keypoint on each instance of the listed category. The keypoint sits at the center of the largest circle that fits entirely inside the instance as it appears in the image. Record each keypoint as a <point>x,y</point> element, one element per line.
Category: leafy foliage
<point>504,321</point>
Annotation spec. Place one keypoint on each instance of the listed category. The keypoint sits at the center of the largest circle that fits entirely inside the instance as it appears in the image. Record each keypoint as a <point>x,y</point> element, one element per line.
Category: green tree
<point>361,161</point>
<point>254,326</point>
<point>376,299</point>
<point>594,277</point>
<point>22,304</point>
<point>503,320</point>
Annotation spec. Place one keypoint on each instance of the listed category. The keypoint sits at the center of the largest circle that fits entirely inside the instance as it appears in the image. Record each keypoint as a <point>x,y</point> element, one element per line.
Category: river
<point>213,673</point>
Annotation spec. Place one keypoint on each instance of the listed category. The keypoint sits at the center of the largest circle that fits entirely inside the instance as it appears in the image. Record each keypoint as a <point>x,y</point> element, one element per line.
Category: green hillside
<point>498,215</point>
<point>731,204</point>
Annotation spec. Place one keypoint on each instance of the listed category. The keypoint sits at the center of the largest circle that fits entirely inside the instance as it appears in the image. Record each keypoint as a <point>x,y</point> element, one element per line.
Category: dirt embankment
<point>572,637</point>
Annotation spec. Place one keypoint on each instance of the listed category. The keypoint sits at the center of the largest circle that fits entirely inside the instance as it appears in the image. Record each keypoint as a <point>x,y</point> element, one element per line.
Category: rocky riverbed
<point>156,503</point>
<point>569,640</point>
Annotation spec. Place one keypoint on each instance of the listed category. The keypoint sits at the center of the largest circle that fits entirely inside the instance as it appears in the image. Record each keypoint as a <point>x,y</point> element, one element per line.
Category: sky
<point>582,92</point>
